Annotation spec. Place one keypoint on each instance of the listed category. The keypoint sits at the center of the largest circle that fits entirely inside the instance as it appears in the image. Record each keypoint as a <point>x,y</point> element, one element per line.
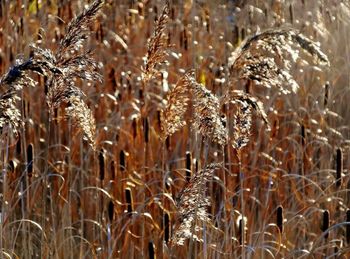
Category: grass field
<point>180,129</point>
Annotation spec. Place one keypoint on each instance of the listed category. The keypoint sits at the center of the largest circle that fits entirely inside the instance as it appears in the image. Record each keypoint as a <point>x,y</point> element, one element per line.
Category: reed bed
<point>174,129</point>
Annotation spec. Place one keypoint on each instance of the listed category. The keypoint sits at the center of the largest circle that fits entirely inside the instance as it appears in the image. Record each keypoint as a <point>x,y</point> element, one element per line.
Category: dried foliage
<point>265,58</point>
<point>192,205</point>
<point>156,51</point>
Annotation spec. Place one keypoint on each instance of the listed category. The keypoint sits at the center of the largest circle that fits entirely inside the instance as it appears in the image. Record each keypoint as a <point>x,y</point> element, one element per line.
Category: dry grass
<point>166,129</point>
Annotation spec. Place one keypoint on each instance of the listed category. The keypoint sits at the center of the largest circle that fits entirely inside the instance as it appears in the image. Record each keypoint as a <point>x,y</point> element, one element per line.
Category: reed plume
<point>245,104</point>
<point>192,205</point>
<point>13,81</point>
<point>173,115</point>
<point>156,48</point>
<point>70,64</point>
<point>263,58</point>
<point>207,119</point>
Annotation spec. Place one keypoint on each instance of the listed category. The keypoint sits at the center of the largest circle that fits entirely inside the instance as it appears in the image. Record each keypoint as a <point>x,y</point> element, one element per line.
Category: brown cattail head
<point>30,159</point>
<point>146,129</point>
<point>151,251</point>
<point>325,222</point>
<point>291,13</point>
<point>128,198</point>
<point>302,134</point>
<point>188,166</point>
<point>339,167</point>
<point>122,163</point>
<point>279,216</point>
<point>348,226</point>
<point>326,95</point>
<point>112,168</point>
<point>134,128</point>
<point>166,227</point>
<point>110,211</point>
<point>101,162</point>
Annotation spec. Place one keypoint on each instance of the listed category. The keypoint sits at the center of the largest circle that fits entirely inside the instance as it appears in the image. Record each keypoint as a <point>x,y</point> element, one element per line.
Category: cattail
<point>188,166</point>
<point>101,161</point>
<point>112,168</point>
<point>110,211</point>
<point>185,39</point>
<point>134,128</point>
<point>151,250</point>
<point>339,167</point>
<point>12,166</point>
<point>302,135</point>
<point>348,226</point>
<point>325,223</point>
<point>166,227</point>
<point>30,158</point>
<point>235,35</point>
<point>326,95</point>
<point>122,164</point>
<point>291,13</point>
<point>280,218</point>
<point>19,145</point>
<point>128,198</point>
<point>146,129</point>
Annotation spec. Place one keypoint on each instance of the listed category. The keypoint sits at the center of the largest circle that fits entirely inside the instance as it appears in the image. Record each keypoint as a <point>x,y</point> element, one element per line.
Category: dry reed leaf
<point>156,52</point>
<point>192,205</point>
<point>265,58</point>
<point>173,116</point>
